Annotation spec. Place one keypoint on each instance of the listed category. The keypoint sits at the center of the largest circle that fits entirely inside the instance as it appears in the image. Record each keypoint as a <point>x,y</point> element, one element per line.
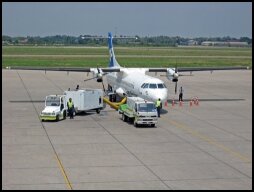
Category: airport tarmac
<point>208,146</point>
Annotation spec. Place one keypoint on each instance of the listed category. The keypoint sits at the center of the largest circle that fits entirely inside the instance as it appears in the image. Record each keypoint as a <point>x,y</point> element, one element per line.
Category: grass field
<point>128,57</point>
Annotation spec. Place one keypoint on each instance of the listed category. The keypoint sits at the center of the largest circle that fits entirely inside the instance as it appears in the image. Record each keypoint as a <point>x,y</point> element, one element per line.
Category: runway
<point>208,146</point>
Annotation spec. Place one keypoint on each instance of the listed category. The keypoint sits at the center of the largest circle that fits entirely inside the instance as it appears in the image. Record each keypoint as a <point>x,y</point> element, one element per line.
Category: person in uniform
<point>181,94</point>
<point>158,106</point>
<point>70,106</point>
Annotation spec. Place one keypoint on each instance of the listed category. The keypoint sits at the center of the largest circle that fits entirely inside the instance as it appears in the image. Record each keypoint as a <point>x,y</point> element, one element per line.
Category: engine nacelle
<point>172,75</point>
<point>97,73</point>
<point>99,77</point>
<point>120,92</point>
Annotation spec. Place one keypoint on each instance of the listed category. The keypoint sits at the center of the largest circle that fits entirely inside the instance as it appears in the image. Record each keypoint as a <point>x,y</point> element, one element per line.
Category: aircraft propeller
<point>175,87</point>
<point>99,77</point>
<point>176,74</point>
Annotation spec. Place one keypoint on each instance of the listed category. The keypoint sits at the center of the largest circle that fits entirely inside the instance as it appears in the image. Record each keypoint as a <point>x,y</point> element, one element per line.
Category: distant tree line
<point>99,41</point>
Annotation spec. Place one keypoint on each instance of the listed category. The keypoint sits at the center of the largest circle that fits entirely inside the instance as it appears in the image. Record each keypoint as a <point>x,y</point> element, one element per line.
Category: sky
<point>185,19</point>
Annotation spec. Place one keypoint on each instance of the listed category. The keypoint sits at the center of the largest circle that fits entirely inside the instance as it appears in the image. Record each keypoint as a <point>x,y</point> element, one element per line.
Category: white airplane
<point>133,81</point>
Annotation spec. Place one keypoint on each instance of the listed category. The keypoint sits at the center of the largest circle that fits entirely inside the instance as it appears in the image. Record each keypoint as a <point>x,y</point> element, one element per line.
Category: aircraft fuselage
<point>132,82</point>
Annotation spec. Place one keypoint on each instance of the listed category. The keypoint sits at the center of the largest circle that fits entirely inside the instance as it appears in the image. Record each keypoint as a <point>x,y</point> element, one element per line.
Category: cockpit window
<point>161,86</point>
<point>142,86</point>
<point>153,86</point>
<point>145,86</point>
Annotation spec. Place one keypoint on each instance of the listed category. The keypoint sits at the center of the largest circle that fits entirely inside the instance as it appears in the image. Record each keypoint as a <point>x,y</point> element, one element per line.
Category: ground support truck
<point>83,99</point>
<point>86,99</point>
<point>139,111</point>
<point>55,108</point>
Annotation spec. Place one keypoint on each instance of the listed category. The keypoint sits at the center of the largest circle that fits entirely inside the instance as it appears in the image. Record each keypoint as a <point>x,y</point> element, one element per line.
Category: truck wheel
<point>152,125</point>
<point>124,117</point>
<point>57,118</point>
<point>98,111</point>
<point>135,124</point>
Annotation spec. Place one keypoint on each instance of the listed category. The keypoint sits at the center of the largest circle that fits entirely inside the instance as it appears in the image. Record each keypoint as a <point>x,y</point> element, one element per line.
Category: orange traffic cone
<point>166,104</point>
<point>180,103</point>
<point>173,103</point>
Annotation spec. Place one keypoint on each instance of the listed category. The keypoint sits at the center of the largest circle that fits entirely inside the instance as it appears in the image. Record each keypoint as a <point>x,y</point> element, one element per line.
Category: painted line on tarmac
<point>56,155</point>
<point>63,172</point>
<point>208,140</point>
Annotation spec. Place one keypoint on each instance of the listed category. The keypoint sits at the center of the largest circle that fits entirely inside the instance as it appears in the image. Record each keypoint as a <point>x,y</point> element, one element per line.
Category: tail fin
<point>112,62</point>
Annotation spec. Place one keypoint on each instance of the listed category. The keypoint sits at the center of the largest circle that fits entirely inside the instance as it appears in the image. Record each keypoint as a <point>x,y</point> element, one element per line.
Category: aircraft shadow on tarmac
<point>188,100</point>
<point>163,111</point>
<point>27,101</point>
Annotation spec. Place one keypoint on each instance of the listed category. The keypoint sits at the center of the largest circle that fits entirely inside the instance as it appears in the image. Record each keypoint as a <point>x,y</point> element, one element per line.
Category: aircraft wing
<point>190,69</point>
<point>68,69</point>
<point>108,70</point>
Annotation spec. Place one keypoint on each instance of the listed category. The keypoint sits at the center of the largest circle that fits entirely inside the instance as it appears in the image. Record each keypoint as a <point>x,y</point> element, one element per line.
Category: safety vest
<point>158,103</point>
<point>70,104</point>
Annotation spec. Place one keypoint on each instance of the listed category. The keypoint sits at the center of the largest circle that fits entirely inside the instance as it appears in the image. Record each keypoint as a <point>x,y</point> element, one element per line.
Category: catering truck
<point>86,99</point>
<point>83,99</point>
<point>139,111</point>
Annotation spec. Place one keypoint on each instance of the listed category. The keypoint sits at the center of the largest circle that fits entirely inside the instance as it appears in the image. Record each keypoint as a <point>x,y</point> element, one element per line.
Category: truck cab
<point>140,111</point>
<point>145,113</point>
<point>55,108</point>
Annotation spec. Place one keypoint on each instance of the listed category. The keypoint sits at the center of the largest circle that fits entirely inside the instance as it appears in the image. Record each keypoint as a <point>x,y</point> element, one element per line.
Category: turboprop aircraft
<point>133,81</point>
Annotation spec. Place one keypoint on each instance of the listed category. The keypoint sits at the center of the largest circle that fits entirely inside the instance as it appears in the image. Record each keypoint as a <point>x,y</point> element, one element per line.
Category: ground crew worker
<point>158,106</point>
<point>181,94</point>
<point>70,106</point>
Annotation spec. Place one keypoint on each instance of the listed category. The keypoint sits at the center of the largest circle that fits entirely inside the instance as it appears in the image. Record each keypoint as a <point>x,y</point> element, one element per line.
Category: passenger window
<point>152,86</point>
